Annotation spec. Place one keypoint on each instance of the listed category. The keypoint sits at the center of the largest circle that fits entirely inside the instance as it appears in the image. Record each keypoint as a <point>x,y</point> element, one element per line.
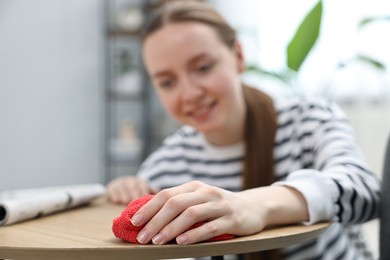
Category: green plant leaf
<point>361,57</point>
<point>377,64</point>
<point>304,38</point>
<point>286,77</point>
<point>369,20</point>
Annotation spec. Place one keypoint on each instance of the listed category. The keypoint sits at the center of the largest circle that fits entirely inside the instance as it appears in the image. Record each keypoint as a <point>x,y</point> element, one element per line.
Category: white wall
<point>371,123</point>
<point>50,93</point>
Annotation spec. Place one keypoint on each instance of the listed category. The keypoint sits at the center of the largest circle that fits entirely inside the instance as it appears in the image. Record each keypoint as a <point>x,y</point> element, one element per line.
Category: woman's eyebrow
<point>199,57</point>
<point>160,74</point>
<point>193,60</point>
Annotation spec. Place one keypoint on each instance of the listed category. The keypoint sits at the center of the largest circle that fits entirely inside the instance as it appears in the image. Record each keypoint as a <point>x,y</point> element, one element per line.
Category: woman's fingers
<point>114,192</point>
<point>144,188</point>
<point>173,211</point>
<point>204,232</point>
<point>150,209</point>
<point>125,189</point>
<point>136,188</point>
<point>191,215</point>
<point>168,222</point>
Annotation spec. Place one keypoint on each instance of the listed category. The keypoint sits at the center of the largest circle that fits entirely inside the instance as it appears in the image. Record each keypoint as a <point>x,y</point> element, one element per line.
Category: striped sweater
<point>314,152</point>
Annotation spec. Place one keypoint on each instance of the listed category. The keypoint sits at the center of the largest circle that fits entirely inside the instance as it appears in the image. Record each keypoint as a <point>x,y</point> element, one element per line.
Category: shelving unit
<point>127,91</point>
<point>135,123</point>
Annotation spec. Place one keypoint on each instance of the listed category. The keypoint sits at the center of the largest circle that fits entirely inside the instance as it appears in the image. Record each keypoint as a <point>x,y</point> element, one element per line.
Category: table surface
<point>85,233</point>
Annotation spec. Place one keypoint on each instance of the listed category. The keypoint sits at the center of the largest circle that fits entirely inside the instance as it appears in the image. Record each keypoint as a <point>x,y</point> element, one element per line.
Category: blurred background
<point>77,107</point>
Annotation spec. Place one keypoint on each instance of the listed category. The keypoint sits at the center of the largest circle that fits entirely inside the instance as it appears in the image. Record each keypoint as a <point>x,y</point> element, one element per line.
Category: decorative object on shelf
<point>128,146</point>
<point>128,81</point>
<point>130,19</point>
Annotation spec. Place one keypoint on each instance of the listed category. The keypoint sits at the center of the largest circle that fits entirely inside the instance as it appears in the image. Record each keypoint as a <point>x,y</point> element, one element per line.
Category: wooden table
<point>85,233</point>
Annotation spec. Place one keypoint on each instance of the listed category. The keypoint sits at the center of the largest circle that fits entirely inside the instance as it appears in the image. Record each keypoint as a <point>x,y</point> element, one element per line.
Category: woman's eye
<point>165,83</point>
<point>205,68</point>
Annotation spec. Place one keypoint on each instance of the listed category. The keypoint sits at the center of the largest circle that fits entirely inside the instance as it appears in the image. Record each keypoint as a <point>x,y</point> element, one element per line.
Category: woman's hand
<point>172,211</point>
<point>124,189</point>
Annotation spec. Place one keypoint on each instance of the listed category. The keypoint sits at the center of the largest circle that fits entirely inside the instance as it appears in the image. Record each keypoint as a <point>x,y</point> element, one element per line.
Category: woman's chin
<point>204,124</point>
<point>211,127</point>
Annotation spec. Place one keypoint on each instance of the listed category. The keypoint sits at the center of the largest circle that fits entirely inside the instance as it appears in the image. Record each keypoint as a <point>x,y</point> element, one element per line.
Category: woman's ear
<point>239,56</point>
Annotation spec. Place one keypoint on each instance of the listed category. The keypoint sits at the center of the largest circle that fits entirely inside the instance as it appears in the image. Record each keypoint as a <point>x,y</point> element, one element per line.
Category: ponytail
<point>260,129</point>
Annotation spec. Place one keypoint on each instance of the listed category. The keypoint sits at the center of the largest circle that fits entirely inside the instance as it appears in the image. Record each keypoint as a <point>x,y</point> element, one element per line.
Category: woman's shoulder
<point>305,105</point>
<point>299,102</point>
<point>183,141</point>
<point>185,136</point>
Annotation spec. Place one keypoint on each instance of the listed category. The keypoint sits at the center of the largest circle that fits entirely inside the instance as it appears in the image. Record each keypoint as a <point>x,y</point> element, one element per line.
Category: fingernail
<point>136,219</point>
<point>142,237</point>
<point>157,239</point>
<point>182,239</point>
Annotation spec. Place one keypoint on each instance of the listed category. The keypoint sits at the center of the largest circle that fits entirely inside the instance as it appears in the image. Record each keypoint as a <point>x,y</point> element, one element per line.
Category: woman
<point>242,161</point>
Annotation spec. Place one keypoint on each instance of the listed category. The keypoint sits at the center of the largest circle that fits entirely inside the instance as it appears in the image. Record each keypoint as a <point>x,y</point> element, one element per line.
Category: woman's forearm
<point>283,204</point>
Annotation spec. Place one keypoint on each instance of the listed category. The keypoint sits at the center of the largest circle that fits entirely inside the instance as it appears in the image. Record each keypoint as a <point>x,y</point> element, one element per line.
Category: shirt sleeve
<point>340,187</point>
<point>320,194</point>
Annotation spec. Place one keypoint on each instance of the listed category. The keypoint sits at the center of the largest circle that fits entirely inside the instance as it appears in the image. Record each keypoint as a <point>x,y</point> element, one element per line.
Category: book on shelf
<point>24,204</point>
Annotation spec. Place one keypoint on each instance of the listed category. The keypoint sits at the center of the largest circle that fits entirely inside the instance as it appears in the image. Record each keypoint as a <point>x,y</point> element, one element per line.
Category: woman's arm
<point>339,185</point>
<point>173,211</point>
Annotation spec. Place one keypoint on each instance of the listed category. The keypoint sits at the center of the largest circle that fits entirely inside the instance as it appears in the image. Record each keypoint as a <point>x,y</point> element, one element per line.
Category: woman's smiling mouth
<point>201,113</point>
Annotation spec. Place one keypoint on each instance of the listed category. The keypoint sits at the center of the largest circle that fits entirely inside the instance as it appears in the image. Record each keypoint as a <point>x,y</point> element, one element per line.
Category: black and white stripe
<point>312,134</point>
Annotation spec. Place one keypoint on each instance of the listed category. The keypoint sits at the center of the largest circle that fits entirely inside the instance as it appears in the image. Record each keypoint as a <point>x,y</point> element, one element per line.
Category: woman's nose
<point>191,90</point>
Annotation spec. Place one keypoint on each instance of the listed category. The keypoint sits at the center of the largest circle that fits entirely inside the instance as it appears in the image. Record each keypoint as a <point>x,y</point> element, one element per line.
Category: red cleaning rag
<point>126,231</point>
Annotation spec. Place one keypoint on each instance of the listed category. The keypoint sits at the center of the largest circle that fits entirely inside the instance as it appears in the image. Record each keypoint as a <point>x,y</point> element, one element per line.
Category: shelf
<point>125,160</point>
<point>118,96</point>
<point>126,95</point>
<point>118,32</point>
<point>127,91</point>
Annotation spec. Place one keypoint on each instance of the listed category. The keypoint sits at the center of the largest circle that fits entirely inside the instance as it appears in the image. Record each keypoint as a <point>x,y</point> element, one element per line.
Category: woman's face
<point>197,77</point>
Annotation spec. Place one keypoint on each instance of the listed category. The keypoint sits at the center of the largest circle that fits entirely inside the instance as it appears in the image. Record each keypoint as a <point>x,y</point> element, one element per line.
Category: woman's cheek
<point>219,83</point>
<point>172,106</point>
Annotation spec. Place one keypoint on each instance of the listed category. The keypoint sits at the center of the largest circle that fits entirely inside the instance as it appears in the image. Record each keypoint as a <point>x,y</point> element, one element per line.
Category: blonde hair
<point>260,121</point>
